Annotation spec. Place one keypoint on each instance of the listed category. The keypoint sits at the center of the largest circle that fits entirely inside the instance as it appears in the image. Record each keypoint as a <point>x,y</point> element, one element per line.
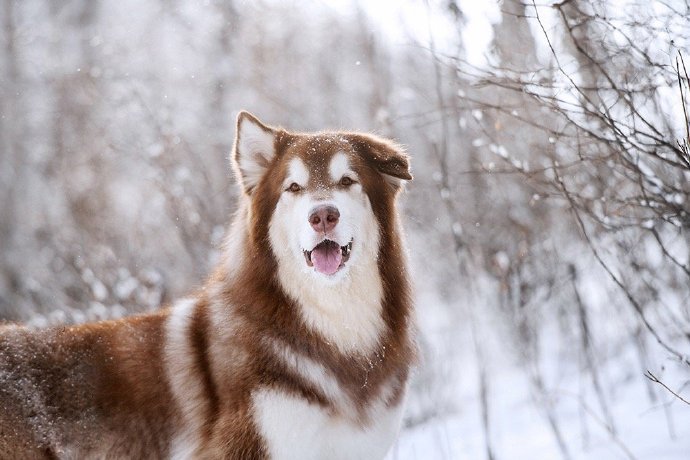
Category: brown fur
<point>89,384</point>
<point>103,390</point>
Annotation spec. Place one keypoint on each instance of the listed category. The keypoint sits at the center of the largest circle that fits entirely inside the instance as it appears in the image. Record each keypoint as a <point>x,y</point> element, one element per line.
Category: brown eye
<point>294,187</point>
<point>346,181</point>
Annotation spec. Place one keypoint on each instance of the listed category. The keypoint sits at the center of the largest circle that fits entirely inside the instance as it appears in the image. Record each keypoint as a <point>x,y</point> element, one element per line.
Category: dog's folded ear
<point>388,158</point>
<point>255,148</point>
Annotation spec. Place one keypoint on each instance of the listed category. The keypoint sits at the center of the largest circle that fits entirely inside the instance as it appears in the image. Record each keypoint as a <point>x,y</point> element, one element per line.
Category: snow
<point>524,434</point>
<point>645,430</point>
<point>444,420</point>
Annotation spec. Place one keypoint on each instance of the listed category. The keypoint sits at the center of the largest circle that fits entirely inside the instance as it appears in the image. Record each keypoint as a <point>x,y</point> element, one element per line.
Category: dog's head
<point>320,200</point>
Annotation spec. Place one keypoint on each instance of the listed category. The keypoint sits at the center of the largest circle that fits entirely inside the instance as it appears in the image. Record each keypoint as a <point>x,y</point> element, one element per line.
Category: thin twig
<point>638,308</point>
<point>654,379</point>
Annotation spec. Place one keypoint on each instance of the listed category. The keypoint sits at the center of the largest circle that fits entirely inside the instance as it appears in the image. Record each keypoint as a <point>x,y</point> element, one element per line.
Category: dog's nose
<point>324,218</point>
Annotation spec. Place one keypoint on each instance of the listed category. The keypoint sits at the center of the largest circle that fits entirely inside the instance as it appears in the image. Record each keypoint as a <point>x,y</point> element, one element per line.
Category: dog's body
<point>299,345</point>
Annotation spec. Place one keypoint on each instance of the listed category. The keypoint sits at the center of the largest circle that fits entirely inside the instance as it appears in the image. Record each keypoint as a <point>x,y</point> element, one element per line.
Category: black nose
<point>324,218</point>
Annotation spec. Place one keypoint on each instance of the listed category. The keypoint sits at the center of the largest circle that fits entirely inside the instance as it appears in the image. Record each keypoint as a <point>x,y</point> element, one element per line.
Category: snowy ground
<point>521,431</point>
<point>648,422</point>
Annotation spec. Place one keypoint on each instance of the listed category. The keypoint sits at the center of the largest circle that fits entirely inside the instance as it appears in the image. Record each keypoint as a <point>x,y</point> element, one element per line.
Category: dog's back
<point>78,391</point>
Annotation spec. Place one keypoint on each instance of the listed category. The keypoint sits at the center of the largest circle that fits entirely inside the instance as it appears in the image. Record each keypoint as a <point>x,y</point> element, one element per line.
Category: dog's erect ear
<point>389,159</point>
<point>255,148</point>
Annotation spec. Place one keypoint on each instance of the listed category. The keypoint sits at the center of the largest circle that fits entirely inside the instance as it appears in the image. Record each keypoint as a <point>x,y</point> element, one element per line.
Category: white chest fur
<point>295,429</point>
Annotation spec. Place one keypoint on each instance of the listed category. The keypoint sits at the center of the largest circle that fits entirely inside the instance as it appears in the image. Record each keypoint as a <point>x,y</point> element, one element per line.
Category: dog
<point>299,345</point>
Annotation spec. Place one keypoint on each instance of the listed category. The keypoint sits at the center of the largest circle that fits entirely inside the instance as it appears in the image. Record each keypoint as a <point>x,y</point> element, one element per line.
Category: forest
<point>548,221</point>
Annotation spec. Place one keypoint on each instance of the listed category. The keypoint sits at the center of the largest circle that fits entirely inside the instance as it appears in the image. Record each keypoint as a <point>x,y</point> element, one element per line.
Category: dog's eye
<point>346,181</point>
<point>294,187</point>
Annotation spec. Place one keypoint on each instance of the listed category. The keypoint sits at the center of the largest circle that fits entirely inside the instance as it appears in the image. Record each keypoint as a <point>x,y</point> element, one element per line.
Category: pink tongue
<point>327,258</point>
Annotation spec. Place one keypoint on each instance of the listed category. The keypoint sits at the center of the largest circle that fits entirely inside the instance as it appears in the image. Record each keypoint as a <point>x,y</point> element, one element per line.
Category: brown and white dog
<point>299,346</point>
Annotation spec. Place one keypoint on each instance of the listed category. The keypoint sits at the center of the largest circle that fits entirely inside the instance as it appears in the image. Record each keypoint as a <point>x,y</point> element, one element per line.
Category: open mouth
<point>328,256</point>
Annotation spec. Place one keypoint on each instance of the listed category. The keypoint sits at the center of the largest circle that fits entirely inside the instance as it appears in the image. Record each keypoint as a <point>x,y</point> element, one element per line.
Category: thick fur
<point>271,358</point>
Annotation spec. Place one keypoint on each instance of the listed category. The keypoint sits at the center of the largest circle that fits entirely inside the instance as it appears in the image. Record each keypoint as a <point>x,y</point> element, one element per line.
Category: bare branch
<point>654,379</point>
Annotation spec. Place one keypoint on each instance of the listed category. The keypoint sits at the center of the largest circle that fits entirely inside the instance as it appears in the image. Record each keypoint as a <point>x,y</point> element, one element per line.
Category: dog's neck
<point>347,312</point>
